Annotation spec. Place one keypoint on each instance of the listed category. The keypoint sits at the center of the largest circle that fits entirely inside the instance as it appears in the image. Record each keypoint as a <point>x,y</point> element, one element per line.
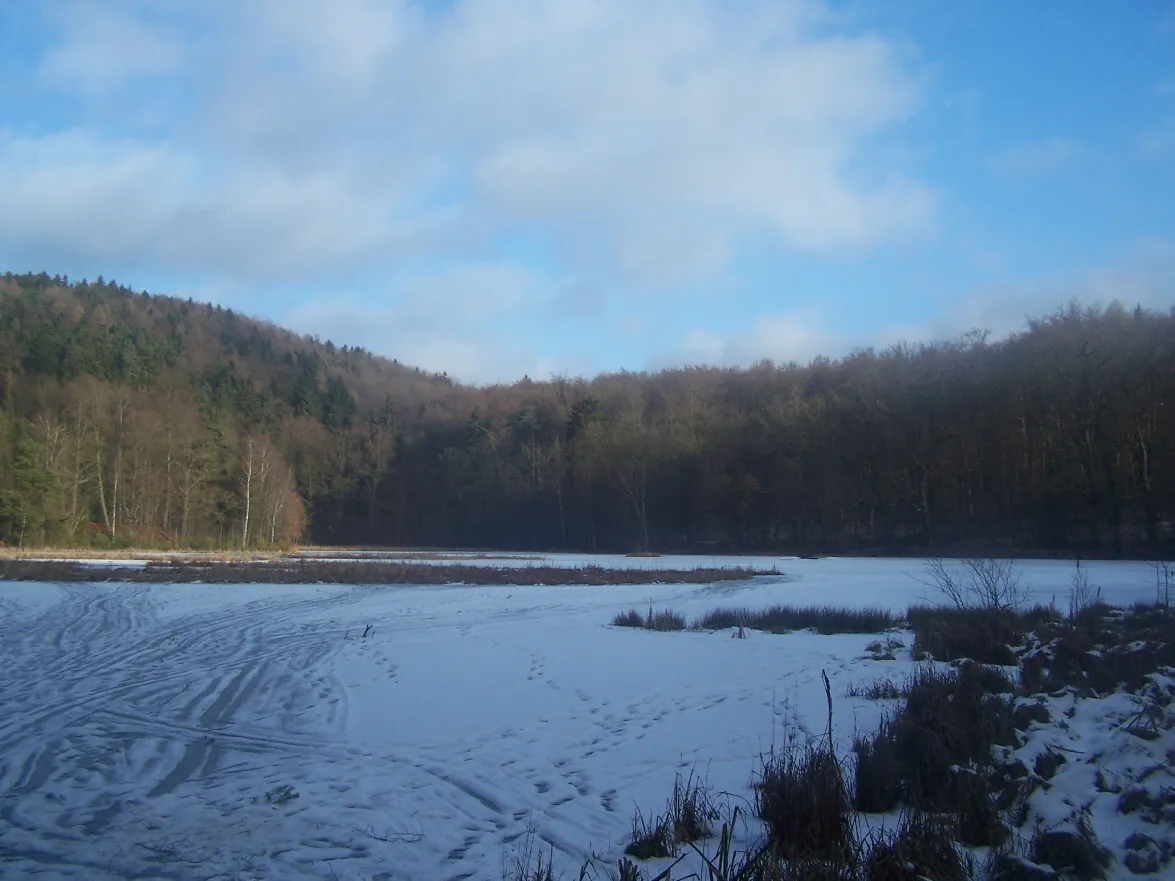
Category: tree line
<point>134,419</point>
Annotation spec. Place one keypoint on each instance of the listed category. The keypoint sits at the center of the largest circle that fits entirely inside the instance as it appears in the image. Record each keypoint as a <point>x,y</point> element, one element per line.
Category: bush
<point>977,583</point>
<point>782,619</point>
<point>804,802</point>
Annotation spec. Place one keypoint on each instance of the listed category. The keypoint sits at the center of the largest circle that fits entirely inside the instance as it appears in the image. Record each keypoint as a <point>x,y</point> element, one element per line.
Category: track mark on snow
<point>195,754</point>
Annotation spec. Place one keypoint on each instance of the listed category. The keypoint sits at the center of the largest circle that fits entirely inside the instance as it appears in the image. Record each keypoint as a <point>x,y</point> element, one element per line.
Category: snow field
<point>142,726</point>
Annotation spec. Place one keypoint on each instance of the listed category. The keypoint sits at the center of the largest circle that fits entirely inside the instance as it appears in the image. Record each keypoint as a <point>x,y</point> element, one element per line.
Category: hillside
<point>127,418</point>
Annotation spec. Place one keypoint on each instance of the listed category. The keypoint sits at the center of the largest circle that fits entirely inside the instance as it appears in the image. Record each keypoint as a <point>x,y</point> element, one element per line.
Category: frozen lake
<point>142,726</point>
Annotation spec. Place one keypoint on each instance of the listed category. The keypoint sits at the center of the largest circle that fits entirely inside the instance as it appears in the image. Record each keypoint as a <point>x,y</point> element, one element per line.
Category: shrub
<point>802,798</point>
<point>977,583</point>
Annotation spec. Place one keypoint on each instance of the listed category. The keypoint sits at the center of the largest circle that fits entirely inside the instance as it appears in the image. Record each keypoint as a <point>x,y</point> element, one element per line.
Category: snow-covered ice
<point>142,727</point>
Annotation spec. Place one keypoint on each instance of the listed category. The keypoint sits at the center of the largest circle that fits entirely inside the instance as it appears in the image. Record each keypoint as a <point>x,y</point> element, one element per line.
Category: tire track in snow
<point>98,688</point>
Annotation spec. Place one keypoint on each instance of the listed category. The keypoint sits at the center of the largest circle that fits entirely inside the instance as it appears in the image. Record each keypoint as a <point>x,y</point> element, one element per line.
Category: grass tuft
<point>665,620</point>
<point>1077,851</point>
<point>883,689</point>
<point>922,847</point>
<point>687,819</point>
<point>932,752</point>
<point>631,618</point>
<point>803,799</point>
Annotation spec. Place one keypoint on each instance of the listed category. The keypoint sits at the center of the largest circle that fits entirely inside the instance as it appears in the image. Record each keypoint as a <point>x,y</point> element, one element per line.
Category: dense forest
<point>131,419</point>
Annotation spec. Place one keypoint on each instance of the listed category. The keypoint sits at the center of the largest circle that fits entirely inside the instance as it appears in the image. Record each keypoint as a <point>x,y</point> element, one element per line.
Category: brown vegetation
<point>286,571</point>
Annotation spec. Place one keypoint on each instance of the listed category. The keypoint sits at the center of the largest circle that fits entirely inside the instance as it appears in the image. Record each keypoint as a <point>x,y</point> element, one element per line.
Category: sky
<point>500,188</point>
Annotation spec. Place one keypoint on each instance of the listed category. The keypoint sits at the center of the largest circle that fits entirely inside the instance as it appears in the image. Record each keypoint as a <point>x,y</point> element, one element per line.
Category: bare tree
<point>977,583</point>
<point>1082,595</point>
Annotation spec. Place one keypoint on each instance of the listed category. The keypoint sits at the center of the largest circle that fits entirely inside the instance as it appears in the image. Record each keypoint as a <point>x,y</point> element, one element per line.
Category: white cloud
<point>441,321</point>
<point>1038,158</point>
<point>154,204</point>
<point>639,137</point>
<point>105,46</point>
<point>344,40</point>
<point>1145,277</point>
<point>781,338</point>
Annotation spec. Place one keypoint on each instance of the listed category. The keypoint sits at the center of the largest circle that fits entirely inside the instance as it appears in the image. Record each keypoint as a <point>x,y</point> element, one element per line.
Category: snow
<point>98,562</point>
<point>142,726</point>
<point>1102,760</point>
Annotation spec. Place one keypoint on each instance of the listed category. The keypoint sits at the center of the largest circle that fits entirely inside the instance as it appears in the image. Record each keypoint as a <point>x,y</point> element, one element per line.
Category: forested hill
<point>135,419</point>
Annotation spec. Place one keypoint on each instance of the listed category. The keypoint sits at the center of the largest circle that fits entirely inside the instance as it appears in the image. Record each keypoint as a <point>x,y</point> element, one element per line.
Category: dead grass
<point>803,799</point>
<point>882,689</point>
<point>666,620</point>
<point>949,634</point>
<point>933,753</point>
<point>631,618</point>
<point>1077,852</point>
<point>688,816</point>
<point>923,846</point>
<point>309,571</point>
<point>783,619</point>
<point>1100,650</point>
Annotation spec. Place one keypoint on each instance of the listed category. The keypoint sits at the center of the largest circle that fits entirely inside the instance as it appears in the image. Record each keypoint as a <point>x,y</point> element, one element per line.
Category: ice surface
<point>142,726</point>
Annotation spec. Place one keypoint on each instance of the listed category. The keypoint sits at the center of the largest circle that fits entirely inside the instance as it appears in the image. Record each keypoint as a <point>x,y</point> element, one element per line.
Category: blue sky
<point>506,187</point>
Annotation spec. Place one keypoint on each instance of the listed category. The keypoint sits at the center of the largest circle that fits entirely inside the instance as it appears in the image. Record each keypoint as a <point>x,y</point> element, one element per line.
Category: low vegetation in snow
<point>1028,744</point>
